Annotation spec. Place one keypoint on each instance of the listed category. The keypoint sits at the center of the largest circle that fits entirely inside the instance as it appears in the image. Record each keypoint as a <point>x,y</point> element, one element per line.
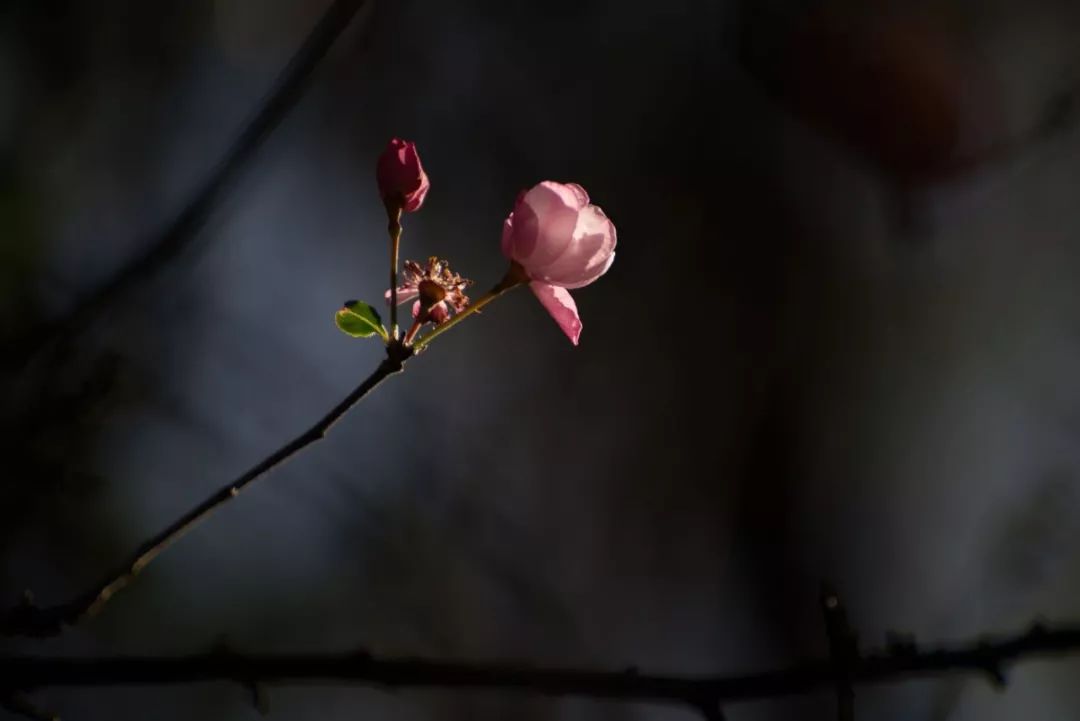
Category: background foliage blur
<point>839,341</point>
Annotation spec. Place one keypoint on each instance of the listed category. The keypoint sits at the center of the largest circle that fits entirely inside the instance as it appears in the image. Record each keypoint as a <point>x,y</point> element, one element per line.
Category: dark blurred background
<point>840,341</point>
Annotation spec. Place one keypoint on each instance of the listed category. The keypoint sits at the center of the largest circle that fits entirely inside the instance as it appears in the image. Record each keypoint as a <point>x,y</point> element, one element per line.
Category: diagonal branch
<point>183,229</point>
<point>898,663</point>
<point>27,619</point>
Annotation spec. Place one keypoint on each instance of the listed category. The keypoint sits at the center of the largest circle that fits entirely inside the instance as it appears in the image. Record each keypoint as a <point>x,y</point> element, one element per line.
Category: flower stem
<point>413,330</point>
<point>513,278</point>
<point>393,212</point>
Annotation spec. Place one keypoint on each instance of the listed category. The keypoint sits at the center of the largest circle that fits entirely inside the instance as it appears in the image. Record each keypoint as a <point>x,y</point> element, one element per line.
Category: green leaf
<point>360,320</point>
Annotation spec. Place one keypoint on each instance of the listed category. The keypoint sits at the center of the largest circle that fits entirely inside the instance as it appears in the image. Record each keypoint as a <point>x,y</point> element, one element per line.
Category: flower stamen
<point>438,292</point>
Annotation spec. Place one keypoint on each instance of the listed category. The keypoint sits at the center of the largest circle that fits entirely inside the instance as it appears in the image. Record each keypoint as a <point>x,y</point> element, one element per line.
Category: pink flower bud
<point>402,180</point>
<point>561,242</point>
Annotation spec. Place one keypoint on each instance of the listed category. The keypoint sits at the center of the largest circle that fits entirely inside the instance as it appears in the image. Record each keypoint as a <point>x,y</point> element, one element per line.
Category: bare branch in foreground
<point>703,693</point>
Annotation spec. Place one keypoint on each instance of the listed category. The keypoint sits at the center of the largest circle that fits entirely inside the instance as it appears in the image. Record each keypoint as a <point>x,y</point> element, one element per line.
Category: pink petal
<point>439,313</point>
<point>400,175</point>
<point>543,224</point>
<point>594,275</point>
<point>579,193</point>
<point>405,293</point>
<point>587,256</point>
<point>569,193</point>
<point>508,237</point>
<point>561,306</point>
<point>415,198</point>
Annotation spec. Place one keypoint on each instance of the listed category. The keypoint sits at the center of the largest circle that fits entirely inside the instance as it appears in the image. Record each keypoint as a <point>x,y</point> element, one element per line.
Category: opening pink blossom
<point>561,242</point>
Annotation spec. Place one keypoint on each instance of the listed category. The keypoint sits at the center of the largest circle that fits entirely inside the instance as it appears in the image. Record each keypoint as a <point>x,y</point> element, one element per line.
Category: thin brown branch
<point>393,212</point>
<point>179,234</point>
<point>29,620</point>
<point>897,663</point>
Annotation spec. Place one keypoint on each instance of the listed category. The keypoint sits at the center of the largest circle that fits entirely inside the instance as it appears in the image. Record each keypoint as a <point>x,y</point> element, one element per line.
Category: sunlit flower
<point>561,242</point>
<point>402,180</point>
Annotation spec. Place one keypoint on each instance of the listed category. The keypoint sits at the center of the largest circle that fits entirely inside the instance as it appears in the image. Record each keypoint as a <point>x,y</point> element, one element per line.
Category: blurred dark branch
<point>27,619</point>
<point>177,236</point>
<point>704,693</point>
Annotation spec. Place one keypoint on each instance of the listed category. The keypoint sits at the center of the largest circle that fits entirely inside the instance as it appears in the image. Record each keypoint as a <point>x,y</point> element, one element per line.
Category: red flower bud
<point>402,180</point>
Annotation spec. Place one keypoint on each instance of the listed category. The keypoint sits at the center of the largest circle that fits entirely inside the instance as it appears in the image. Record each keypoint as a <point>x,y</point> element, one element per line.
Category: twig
<point>27,619</point>
<point>701,692</point>
<point>179,234</point>
<point>514,277</point>
<point>393,212</point>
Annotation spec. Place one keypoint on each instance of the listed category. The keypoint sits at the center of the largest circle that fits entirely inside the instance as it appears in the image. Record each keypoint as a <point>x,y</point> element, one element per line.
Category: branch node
<point>397,352</point>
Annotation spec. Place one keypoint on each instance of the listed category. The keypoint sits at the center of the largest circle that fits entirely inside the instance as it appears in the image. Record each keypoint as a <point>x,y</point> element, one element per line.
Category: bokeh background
<point>840,341</point>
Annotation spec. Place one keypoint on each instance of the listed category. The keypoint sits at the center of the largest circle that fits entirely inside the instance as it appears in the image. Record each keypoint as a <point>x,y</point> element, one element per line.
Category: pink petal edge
<point>559,303</point>
<point>507,243</point>
<point>577,190</point>
<point>404,294</point>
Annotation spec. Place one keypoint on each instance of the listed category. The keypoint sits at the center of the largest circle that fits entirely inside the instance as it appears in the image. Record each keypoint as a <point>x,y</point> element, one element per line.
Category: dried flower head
<point>436,288</point>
